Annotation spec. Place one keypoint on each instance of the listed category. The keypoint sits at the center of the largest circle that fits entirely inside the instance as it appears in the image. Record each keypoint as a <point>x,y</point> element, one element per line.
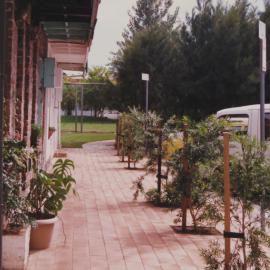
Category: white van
<point>246,119</point>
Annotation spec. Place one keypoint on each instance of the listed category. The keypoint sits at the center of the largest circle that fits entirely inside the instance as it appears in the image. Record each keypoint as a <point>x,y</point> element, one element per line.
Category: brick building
<point>44,38</point>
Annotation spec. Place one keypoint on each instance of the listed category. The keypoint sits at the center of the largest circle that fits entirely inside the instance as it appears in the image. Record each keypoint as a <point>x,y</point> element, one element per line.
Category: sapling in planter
<point>159,140</point>
<point>250,182</point>
<point>191,168</point>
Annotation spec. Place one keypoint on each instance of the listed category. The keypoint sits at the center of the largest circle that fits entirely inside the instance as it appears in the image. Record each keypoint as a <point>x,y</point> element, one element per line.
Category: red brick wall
<point>35,81</point>
<point>10,93</point>
<point>28,95</point>
<point>20,78</point>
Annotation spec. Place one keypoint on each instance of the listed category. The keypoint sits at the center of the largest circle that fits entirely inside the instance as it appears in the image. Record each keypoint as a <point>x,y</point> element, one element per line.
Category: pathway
<point>106,229</point>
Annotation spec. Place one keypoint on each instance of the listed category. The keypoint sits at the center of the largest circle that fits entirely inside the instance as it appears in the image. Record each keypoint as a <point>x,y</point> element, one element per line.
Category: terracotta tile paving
<point>104,228</point>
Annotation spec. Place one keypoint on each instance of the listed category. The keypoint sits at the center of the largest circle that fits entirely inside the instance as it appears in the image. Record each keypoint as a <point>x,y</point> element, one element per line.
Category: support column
<point>11,71</point>
<point>28,95</point>
<point>20,78</point>
<point>35,82</point>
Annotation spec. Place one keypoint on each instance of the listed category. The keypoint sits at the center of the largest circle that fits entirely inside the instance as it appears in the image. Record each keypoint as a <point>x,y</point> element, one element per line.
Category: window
<point>239,122</point>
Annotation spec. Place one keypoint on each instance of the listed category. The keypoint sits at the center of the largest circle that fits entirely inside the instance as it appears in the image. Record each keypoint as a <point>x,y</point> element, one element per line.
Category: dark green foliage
<point>169,196</point>
<point>68,103</point>
<point>102,94</point>
<point>36,131</point>
<point>14,166</point>
<point>208,62</point>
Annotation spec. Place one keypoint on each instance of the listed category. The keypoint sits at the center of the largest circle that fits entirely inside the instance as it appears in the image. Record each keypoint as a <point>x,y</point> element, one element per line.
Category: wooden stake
<point>227,199</point>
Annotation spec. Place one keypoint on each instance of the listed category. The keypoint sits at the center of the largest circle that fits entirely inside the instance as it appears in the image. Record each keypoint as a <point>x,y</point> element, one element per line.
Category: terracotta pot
<point>41,235</point>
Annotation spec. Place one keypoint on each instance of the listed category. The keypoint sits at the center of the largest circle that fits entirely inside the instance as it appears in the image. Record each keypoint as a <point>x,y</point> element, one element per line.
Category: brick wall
<point>28,94</point>
<point>26,46</point>
<point>10,94</point>
<point>20,78</point>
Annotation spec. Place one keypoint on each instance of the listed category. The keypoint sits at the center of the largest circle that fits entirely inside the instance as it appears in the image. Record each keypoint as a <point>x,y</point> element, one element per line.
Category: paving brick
<point>106,230</point>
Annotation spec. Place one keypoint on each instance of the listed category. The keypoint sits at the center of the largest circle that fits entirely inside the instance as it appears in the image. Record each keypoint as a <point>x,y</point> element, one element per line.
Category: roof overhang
<point>69,26</point>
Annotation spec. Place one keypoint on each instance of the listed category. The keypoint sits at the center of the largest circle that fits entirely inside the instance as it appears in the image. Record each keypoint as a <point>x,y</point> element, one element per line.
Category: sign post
<point>263,67</point>
<point>262,37</point>
<point>145,77</point>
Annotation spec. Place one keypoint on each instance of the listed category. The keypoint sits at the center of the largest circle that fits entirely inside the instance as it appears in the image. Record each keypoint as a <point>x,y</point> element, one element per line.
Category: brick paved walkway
<point>106,229</point>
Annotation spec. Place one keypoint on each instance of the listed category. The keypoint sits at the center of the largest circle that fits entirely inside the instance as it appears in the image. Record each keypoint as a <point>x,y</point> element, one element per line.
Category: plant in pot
<point>51,131</point>
<point>47,193</point>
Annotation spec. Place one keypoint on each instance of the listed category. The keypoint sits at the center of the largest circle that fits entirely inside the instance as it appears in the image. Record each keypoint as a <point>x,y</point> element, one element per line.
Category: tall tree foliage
<point>149,45</point>
<point>219,47</point>
<point>208,62</point>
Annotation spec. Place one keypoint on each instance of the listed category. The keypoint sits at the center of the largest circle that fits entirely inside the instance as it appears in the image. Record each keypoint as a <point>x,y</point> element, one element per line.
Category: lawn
<point>93,130</point>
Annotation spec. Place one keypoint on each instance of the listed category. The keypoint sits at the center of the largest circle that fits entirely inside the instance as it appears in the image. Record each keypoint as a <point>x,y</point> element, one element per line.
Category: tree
<point>147,14</point>
<point>102,93</point>
<point>68,103</point>
<point>209,62</point>
<point>148,46</point>
<point>188,166</point>
<point>152,51</point>
<point>250,174</point>
<point>219,47</point>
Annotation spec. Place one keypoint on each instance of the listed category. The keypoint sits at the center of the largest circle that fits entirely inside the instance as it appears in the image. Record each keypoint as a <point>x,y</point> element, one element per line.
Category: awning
<point>69,26</point>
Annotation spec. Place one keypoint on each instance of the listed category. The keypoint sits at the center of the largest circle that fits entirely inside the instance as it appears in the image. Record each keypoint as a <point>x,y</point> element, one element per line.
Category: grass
<point>93,130</point>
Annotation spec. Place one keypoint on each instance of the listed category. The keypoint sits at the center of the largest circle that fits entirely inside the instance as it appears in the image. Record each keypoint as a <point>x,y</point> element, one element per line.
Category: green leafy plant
<point>14,167</point>
<point>48,191</point>
<point>191,168</point>
<point>250,182</point>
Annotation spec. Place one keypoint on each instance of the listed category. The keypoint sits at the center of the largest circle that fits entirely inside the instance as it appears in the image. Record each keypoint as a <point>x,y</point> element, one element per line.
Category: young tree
<point>250,184</point>
<point>189,168</point>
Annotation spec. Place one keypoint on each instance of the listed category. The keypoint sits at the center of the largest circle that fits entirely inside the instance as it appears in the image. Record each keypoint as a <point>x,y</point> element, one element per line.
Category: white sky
<point>113,18</point>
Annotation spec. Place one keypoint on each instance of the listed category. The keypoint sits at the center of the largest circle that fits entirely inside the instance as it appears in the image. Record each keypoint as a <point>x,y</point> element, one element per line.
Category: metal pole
<point>262,99</point>
<point>76,113</point>
<point>81,108</point>
<point>159,162</point>
<point>3,49</point>
<point>227,199</point>
<point>146,98</point>
<point>262,121</point>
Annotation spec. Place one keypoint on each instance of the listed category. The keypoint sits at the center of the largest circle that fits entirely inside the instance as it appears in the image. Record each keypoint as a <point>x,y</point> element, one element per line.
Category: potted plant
<point>47,193</point>
<point>51,131</point>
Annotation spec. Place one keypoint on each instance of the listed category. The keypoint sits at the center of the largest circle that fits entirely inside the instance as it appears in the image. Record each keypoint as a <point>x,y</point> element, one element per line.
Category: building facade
<point>44,38</point>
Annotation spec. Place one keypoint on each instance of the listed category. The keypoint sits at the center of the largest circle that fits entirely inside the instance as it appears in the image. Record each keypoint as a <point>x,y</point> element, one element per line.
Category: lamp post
<point>145,77</point>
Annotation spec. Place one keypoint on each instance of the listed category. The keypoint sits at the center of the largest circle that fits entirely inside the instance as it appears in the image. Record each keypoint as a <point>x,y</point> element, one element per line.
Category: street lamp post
<point>145,77</point>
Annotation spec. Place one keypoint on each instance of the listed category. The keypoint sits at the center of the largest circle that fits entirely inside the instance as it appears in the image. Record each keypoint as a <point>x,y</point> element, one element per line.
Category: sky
<point>113,18</point>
